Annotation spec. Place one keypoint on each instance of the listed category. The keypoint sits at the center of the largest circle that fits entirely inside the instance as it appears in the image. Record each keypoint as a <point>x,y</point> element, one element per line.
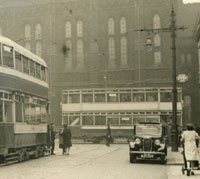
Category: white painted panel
<point>22,128</point>
<point>119,107</point>
<point>105,127</point>
<point>12,72</point>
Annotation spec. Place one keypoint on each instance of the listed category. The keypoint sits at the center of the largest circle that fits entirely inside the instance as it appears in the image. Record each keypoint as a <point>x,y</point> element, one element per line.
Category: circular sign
<point>182,78</point>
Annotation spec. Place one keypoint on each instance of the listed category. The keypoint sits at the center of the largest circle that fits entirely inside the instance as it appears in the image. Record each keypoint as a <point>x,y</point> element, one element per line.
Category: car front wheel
<point>163,159</point>
<point>132,158</point>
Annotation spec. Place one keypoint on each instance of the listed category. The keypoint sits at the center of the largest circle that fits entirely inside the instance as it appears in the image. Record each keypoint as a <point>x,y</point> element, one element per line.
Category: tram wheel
<point>21,156</point>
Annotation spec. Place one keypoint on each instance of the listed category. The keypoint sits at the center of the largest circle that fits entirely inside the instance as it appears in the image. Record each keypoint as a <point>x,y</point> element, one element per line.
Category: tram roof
<point>22,50</point>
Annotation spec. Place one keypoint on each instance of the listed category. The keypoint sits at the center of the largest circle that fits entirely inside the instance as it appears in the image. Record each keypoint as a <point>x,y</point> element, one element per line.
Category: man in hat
<point>52,135</point>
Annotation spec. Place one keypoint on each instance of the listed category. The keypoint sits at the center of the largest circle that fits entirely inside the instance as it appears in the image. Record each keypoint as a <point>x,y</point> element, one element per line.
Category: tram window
<point>126,97</point>
<point>8,56</point>
<point>38,114</point>
<point>8,111</point>
<point>32,113</point>
<point>74,120</point>
<point>18,112</point>
<point>100,120</point>
<point>32,68</point>
<point>87,98</point>
<point>38,75</point>
<point>74,98</point>
<point>43,114</point>
<point>18,61</point>
<point>64,98</point>
<point>112,97</point>
<point>100,98</point>
<point>26,112</point>
<point>150,97</point>
<point>1,111</point>
<point>113,120</point>
<point>65,120</point>
<point>25,65</point>
<point>43,72</point>
<point>125,120</point>
<point>87,120</point>
<point>165,97</point>
<point>152,119</point>
<point>137,120</point>
<point>138,97</point>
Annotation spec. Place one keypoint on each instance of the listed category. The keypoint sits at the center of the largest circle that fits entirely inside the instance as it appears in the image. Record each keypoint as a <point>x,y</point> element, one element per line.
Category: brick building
<point>93,43</point>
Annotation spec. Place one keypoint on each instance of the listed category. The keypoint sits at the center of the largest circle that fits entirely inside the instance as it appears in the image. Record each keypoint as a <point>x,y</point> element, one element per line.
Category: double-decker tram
<point>88,111</point>
<point>23,103</point>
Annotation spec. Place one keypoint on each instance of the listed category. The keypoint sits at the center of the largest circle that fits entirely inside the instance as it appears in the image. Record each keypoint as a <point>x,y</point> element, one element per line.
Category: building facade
<point>96,44</point>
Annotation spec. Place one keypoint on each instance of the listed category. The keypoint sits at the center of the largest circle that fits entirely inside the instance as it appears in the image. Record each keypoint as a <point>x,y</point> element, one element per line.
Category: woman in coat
<point>189,138</point>
<point>66,133</point>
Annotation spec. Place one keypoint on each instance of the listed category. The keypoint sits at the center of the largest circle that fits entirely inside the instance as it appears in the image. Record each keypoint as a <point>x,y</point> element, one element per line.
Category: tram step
<point>11,154</point>
<point>12,158</point>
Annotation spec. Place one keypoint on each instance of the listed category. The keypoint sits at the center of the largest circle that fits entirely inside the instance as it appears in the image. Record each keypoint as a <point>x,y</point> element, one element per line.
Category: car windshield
<point>149,130</point>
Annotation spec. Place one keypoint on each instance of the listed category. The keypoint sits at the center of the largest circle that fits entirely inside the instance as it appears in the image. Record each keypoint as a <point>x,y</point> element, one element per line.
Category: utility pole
<point>174,90</point>
<point>173,30</point>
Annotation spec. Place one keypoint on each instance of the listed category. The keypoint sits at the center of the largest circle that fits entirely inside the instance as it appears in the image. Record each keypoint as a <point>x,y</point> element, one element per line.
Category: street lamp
<point>172,28</point>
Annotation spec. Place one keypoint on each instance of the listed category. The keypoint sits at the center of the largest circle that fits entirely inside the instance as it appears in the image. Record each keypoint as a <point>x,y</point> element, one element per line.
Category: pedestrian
<point>108,135</point>
<point>52,138</point>
<point>189,138</point>
<point>66,134</point>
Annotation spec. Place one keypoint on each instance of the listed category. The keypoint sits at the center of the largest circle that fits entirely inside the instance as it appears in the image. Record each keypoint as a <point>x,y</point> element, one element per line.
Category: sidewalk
<point>174,158</point>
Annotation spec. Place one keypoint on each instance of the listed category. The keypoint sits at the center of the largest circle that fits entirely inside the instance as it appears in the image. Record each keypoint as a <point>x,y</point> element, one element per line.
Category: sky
<point>190,1</point>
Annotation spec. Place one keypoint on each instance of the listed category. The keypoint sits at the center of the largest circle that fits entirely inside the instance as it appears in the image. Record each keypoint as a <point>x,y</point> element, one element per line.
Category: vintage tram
<point>23,103</point>
<point>89,111</point>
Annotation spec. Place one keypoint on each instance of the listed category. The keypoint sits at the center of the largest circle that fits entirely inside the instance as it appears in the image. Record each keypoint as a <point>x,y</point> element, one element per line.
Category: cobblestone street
<point>90,161</point>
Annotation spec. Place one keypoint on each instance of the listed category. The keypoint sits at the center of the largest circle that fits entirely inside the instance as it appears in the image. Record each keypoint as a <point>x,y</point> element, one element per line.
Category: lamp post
<point>173,30</point>
<point>174,89</point>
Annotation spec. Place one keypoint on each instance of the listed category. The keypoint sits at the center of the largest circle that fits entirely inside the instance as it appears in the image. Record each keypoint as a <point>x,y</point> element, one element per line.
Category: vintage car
<point>148,143</point>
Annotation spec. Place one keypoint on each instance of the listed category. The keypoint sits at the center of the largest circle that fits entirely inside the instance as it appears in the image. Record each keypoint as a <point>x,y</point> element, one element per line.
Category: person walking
<point>52,138</point>
<point>66,133</point>
<point>189,137</point>
<point>108,135</point>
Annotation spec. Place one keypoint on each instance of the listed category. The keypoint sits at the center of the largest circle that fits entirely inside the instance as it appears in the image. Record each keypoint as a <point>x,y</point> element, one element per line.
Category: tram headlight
<point>137,141</point>
<point>157,142</point>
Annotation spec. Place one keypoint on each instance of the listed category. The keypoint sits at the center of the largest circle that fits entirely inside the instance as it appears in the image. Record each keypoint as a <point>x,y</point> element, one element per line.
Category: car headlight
<point>157,142</point>
<point>132,144</point>
<point>137,141</point>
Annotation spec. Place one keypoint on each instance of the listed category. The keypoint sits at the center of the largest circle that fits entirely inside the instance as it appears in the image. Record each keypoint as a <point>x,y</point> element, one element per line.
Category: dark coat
<point>66,138</point>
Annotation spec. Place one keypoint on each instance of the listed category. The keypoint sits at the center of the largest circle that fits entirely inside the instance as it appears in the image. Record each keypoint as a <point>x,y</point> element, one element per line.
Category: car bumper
<point>147,155</point>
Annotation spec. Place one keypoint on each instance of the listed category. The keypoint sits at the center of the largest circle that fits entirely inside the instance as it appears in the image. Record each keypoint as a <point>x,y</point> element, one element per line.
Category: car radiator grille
<point>147,145</point>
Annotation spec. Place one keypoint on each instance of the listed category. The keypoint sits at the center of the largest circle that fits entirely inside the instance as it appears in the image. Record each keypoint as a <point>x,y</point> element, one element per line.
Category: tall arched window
<point>123,25</point>
<point>79,29</point>
<point>38,48</point>
<point>157,59</point>
<point>157,41</point>
<point>68,30</point>
<point>123,44</point>
<point>156,21</point>
<point>28,46</point>
<point>38,32</point>
<point>27,32</point>
<point>80,55</point>
<point>111,26</point>
<point>111,52</point>
<point>0,31</point>
<point>68,63</point>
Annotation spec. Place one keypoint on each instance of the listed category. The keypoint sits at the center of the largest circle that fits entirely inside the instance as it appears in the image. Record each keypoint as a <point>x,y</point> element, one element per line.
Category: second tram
<point>88,111</point>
